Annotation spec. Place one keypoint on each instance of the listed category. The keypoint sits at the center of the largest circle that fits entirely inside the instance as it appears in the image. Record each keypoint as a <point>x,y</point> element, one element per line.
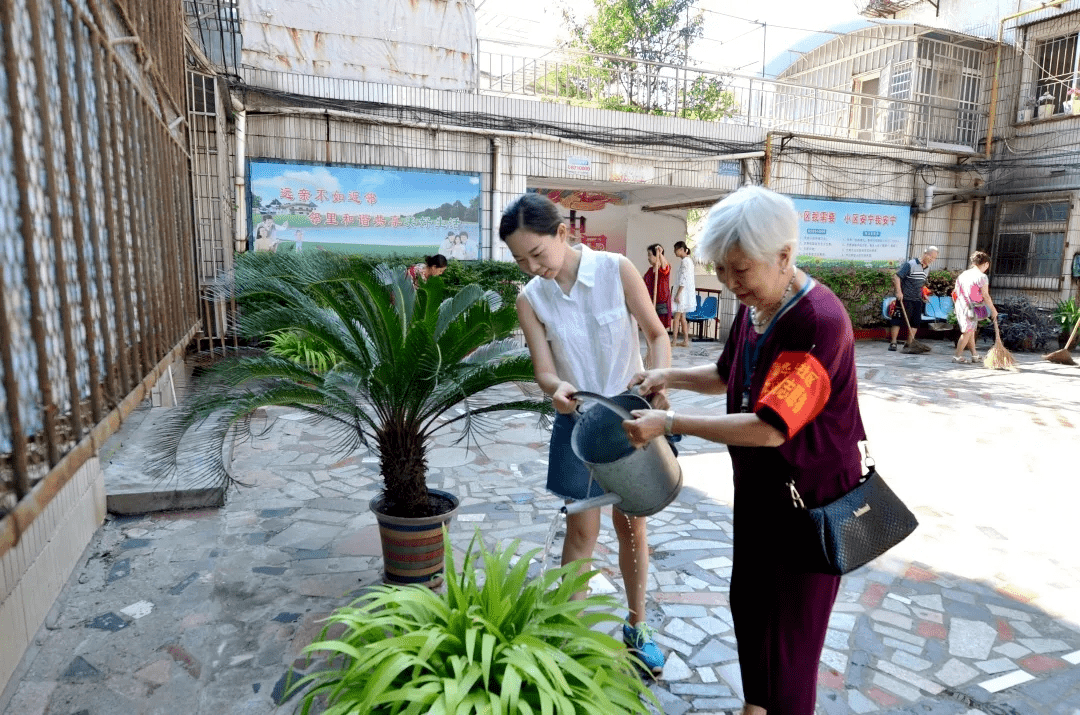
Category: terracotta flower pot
<point>413,547</point>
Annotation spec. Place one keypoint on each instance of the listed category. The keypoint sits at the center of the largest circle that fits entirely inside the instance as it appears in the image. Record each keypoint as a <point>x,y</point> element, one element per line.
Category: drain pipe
<point>240,180</point>
<point>997,68</point>
<point>959,196</point>
<point>976,216</point>
<point>496,195</point>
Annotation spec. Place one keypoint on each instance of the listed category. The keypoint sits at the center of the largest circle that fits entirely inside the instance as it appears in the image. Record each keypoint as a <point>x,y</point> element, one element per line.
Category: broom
<point>912,345</point>
<point>1062,357</point>
<point>997,357</point>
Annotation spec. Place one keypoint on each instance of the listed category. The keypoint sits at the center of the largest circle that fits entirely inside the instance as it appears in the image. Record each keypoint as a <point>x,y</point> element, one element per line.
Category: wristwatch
<point>669,422</point>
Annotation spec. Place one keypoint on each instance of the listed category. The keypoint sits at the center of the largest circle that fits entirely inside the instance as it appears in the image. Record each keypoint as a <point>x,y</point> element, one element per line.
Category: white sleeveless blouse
<point>593,337</point>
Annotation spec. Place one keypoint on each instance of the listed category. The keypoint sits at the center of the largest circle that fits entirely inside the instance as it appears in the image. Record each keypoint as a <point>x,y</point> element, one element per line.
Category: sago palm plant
<point>509,645</point>
<point>405,357</point>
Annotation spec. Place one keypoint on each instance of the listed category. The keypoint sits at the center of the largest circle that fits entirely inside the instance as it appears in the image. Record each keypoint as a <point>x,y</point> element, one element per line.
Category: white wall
<point>33,572</point>
<point>409,43</point>
<point>644,228</point>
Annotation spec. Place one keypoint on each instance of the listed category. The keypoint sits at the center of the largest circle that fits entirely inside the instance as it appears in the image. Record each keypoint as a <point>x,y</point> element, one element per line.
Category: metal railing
<point>610,82</point>
<point>96,274</point>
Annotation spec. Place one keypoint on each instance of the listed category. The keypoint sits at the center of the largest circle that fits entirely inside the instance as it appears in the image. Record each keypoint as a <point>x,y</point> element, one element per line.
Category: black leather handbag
<point>859,526</point>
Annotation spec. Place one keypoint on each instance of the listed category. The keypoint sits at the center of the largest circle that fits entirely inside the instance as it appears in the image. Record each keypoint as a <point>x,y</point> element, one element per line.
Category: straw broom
<point>912,345</point>
<point>997,357</point>
<point>1062,357</point>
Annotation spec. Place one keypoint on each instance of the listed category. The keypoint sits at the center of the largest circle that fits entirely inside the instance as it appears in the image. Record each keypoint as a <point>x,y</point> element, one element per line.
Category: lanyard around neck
<point>750,361</point>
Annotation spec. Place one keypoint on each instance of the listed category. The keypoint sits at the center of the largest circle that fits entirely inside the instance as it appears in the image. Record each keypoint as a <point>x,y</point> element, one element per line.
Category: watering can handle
<point>606,402</point>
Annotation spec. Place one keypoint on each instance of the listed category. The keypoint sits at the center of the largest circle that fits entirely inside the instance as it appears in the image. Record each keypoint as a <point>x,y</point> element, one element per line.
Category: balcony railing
<point>609,82</point>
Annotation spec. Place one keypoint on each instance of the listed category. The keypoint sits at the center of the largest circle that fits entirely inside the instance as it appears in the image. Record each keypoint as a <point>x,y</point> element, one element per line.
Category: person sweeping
<point>972,302</point>
<point>907,284</point>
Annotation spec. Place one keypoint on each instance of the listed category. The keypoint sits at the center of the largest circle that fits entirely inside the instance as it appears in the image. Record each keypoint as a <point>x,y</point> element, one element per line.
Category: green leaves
<point>659,32</point>
<point>360,345</point>
<point>1066,314</point>
<point>496,642</point>
<point>859,288</point>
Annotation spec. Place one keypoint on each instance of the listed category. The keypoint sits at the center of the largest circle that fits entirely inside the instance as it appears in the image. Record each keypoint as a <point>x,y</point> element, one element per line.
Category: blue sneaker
<point>639,640</point>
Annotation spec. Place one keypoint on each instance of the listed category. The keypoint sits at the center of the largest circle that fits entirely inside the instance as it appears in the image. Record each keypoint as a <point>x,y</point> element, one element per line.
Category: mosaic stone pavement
<point>978,612</point>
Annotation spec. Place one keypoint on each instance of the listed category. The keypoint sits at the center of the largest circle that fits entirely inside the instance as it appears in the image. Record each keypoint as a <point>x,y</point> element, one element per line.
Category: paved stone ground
<point>202,612</point>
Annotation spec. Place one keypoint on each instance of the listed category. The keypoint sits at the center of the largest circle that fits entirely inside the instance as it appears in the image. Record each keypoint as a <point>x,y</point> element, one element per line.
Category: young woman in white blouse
<point>579,314</point>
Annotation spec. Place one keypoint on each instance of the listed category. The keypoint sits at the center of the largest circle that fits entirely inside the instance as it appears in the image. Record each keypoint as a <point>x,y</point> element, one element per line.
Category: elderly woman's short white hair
<point>759,221</point>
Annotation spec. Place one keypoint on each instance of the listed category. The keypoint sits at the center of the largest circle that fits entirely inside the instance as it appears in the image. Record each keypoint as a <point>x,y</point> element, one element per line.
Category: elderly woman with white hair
<point>788,371</point>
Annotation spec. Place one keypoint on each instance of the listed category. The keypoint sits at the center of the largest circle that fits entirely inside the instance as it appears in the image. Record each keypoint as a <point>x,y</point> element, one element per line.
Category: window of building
<point>900,86</point>
<point>867,105</point>
<point>1055,70</point>
<point>1030,245</point>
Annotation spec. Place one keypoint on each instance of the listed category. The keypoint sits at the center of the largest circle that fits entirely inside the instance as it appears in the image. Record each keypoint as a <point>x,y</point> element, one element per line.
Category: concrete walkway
<point>202,612</point>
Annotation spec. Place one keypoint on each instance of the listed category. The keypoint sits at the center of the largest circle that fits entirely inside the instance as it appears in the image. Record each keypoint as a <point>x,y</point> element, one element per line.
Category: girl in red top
<point>659,290</point>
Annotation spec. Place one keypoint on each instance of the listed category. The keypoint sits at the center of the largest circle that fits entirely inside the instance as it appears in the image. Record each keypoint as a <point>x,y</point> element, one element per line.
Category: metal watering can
<point>640,481</point>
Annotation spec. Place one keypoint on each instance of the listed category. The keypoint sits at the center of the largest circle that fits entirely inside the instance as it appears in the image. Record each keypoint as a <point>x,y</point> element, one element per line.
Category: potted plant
<point>402,357</point>
<point>1046,105</point>
<point>511,644</point>
<point>1065,314</point>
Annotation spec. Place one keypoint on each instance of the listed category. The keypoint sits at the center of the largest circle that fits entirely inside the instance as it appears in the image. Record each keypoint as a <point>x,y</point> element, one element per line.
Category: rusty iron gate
<point>97,283</point>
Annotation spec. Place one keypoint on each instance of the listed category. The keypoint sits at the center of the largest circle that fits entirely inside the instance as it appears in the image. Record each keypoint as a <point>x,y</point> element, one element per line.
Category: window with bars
<point>900,85</point>
<point>1031,241</point>
<point>1055,69</point>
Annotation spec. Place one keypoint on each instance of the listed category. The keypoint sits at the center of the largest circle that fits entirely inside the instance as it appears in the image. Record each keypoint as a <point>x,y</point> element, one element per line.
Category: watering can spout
<point>581,505</point>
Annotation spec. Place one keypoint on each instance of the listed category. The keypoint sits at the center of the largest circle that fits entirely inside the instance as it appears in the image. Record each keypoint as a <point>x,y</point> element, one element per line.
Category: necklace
<point>760,320</point>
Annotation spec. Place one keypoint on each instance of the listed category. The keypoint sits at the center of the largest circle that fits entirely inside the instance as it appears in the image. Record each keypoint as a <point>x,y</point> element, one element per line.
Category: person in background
<point>908,284</point>
<point>446,248</point>
<point>578,315</point>
<point>432,266</point>
<point>267,231</point>
<point>298,246</point>
<point>658,284</point>
<point>466,251</point>
<point>787,372</point>
<point>263,240</point>
<point>685,300</point>
<point>972,303</point>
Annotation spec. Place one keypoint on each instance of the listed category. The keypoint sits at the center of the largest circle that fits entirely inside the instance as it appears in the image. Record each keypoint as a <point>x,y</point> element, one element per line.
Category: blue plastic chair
<point>705,312</point>
<point>937,308</point>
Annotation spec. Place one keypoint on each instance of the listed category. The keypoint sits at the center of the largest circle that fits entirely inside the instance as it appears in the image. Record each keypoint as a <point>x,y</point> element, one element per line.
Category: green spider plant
<point>301,349</point>
<point>405,357</point>
<point>511,644</point>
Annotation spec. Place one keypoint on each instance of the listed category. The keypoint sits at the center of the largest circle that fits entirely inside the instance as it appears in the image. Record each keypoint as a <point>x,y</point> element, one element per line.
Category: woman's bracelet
<point>669,422</point>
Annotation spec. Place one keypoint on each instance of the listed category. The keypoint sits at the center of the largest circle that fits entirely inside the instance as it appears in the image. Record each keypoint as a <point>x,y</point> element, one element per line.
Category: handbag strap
<point>868,461</point>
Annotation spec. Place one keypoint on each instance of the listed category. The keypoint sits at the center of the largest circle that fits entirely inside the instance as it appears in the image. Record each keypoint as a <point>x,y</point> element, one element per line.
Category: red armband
<point>796,389</point>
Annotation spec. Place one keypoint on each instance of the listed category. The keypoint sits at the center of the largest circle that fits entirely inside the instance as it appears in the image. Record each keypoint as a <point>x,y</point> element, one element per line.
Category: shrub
<point>941,282</point>
<point>1066,313</point>
<point>1023,326</point>
<point>859,288</point>
<point>502,277</point>
<point>504,644</point>
<point>304,349</point>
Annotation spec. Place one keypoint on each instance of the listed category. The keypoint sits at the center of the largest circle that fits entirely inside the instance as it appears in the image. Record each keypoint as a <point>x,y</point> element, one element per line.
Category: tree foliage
<point>653,30</point>
<point>656,33</point>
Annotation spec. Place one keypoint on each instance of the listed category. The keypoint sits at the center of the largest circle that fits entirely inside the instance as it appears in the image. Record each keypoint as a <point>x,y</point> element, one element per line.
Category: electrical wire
<point>675,145</point>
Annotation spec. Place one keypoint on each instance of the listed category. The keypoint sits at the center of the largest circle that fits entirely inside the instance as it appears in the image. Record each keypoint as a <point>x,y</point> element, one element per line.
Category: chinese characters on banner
<point>852,231</point>
<point>355,209</point>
